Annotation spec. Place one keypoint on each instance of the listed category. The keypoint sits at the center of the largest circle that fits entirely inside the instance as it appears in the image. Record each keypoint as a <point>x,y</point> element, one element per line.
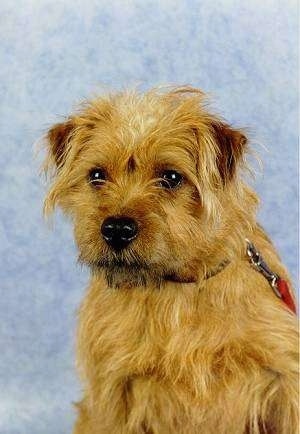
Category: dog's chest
<point>169,353</point>
<point>160,336</point>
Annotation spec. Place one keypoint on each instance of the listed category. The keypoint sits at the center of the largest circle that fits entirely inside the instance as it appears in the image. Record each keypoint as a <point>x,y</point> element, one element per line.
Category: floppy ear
<point>58,138</point>
<point>231,144</point>
<point>58,146</point>
<point>64,142</point>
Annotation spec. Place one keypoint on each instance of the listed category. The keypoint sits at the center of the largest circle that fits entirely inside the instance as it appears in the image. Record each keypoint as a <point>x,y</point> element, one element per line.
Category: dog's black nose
<point>118,232</point>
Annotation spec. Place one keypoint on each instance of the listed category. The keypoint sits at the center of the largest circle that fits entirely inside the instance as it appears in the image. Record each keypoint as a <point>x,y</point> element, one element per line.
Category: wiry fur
<point>162,348</point>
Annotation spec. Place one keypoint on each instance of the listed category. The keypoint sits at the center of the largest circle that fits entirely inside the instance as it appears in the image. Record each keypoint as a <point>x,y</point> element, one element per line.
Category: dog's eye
<point>170,179</point>
<point>97,176</point>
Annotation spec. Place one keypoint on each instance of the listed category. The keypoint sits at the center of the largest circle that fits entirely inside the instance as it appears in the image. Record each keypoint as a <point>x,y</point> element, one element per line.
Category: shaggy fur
<point>169,341</point>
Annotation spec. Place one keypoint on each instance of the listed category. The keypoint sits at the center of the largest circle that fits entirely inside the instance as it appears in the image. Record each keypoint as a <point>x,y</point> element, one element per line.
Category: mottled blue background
<point>54,53</point>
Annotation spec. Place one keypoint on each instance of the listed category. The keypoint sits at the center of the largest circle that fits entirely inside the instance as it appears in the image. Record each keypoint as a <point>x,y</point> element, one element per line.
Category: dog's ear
<point>58,140</point>
<point>231,144</point>
<point>58,143</point>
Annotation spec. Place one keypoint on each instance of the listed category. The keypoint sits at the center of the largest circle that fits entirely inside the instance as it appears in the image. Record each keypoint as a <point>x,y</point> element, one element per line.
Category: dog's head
<point>151,184</point>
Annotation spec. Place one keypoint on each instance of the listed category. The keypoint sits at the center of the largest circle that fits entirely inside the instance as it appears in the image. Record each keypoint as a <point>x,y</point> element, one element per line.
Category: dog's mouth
<point>124,274</point>
<point>127,274</point>
<point>128,270</point>
<point>119,262</point>
<point>121,269</point>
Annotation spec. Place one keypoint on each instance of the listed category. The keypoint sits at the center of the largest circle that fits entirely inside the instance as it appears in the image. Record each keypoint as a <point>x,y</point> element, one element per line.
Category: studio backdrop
<point>54,53</point>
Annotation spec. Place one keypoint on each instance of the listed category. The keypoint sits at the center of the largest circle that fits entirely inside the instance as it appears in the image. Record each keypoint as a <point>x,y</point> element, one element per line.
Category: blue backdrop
<point>53,54</point>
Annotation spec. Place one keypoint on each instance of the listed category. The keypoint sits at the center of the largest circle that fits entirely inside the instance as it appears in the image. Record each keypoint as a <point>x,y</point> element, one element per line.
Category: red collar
<point>279,286</point>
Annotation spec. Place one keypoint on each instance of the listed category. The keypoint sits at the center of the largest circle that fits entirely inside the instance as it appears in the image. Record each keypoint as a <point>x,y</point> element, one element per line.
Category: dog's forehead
<point>140,115</point>
<point>139,129</point>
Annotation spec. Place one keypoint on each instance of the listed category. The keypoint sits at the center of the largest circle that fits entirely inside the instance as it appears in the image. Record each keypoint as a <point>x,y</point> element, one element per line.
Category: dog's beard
<point>127,269</point>
<point>128,276</point>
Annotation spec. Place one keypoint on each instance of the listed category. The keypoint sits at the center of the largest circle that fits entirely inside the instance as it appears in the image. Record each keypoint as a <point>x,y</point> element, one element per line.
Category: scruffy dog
<point>179,332</point>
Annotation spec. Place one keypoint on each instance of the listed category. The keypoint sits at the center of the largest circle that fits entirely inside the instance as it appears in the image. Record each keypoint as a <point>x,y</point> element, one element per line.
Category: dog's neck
<point>193,272</point>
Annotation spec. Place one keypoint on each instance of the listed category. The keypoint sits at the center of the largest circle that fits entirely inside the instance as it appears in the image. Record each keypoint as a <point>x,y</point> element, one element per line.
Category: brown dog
<point>178,333</point>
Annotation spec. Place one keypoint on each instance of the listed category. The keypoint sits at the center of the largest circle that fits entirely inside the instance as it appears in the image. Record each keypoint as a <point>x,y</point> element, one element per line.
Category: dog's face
<point>146,179</point>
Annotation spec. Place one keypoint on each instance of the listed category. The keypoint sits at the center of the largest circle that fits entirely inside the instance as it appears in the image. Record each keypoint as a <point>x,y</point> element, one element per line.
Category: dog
<point>187,325</point>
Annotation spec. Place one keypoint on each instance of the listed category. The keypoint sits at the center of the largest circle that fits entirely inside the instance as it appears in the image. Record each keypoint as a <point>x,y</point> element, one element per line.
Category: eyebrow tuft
<point>131,164</point>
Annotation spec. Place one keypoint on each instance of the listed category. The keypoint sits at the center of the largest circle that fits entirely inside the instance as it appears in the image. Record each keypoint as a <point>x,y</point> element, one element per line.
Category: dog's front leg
<point>93,420</point>
<point>83,422</point>
<point>277,340</point>
<point>284,412</point>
